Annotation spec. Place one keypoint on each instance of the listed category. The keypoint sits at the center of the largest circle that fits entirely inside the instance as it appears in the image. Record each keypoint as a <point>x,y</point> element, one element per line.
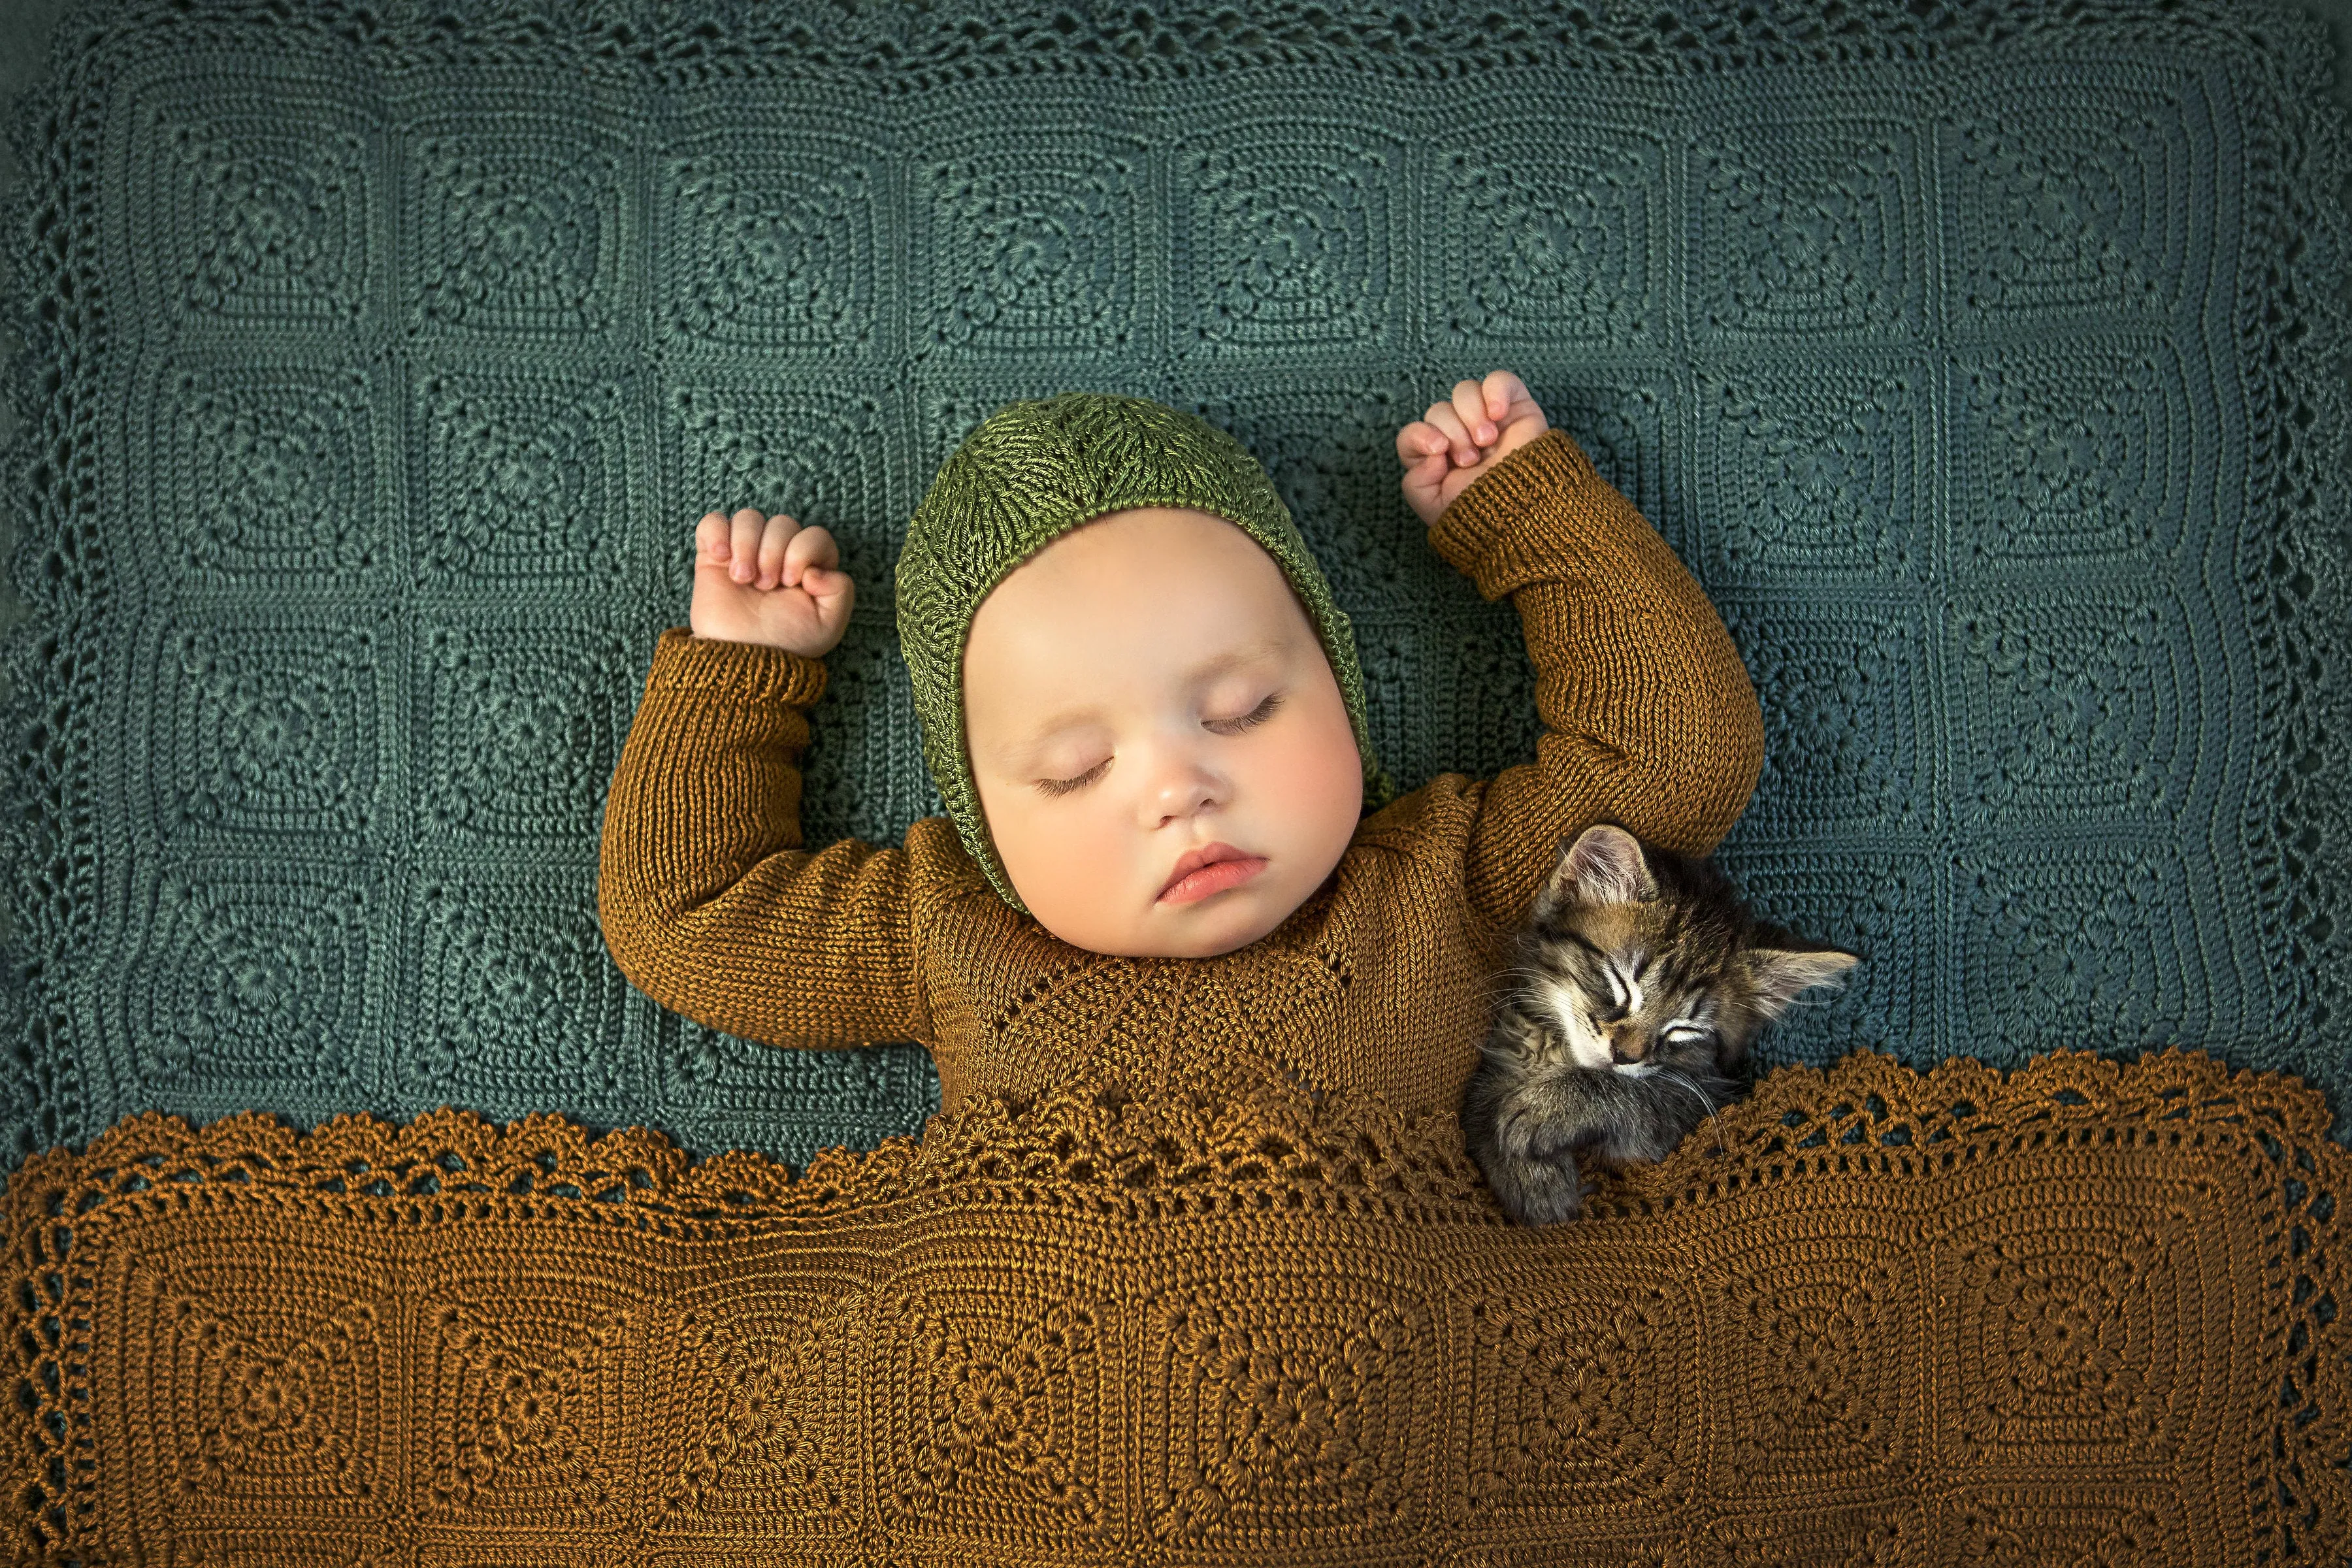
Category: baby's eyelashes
<point>1256,716</point>
<point>1069,785</point>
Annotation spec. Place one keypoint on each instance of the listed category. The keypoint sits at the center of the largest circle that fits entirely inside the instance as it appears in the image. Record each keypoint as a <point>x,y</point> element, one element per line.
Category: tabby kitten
<point>1641,980</point>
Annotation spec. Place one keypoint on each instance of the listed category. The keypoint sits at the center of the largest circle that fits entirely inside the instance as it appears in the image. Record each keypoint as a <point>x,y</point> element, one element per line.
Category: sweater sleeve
<point>1649,718</point>
<point>709,904</point>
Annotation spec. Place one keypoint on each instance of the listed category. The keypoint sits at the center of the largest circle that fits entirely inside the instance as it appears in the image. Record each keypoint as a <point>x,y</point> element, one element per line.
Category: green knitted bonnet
<point>1028,474</point>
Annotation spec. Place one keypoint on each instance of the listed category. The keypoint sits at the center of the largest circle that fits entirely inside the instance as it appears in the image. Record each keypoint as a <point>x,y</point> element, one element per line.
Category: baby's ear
<point>1602,865</point>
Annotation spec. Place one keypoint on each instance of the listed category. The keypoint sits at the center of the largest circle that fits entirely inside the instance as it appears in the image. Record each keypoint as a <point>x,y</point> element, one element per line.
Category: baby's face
<point>1145,686</point>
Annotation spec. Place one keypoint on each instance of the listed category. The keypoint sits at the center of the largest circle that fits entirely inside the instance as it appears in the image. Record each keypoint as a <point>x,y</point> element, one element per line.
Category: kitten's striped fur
<point>1638,981</point>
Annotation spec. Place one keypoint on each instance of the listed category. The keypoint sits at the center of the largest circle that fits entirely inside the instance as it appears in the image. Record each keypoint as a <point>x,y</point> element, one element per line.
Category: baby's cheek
<point>1322,784</point>
<point>1058,853</point>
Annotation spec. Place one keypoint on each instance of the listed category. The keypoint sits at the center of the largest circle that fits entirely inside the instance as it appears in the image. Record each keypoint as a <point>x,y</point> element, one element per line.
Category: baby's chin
<point>1210,928</point>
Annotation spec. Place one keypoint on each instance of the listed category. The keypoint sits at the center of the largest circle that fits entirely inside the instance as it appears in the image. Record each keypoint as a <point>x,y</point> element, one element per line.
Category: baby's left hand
<point>1446,451</point>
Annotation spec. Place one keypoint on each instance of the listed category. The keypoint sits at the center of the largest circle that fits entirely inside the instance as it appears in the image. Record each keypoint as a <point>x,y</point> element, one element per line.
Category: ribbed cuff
<point>684,662</point>
<point>1550,465</point>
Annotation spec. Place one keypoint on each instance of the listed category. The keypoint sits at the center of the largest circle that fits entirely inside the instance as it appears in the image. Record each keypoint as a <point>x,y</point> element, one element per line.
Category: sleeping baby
<point>1169,862</point>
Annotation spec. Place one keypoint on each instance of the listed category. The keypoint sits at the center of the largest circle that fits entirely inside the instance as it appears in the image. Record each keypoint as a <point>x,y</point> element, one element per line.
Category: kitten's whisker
<point>1666,1072</point>
<point>1511,980</point>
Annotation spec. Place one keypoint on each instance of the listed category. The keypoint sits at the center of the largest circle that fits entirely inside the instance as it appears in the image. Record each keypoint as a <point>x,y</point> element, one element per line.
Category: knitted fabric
<point>1028,474</point>
<point>2090,1314</point>
<point>714,905</point>
<point>1980,360</point>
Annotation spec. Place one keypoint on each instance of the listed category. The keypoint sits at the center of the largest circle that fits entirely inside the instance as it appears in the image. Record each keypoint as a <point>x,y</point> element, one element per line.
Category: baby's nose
<point>1180,800</point>
<point>1183,788</point>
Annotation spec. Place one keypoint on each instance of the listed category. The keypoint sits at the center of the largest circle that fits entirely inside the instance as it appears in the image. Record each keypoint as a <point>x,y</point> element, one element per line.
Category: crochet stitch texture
<point>1979,359</point>
<point>2086,1313</point>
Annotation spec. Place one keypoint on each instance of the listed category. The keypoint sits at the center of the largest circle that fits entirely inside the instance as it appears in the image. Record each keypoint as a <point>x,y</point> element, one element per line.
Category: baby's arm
<point>1650,721</point>
<point>709,904</point>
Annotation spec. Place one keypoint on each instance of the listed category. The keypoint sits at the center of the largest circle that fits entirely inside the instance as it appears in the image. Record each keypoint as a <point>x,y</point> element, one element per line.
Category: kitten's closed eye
<point>1645,979</point>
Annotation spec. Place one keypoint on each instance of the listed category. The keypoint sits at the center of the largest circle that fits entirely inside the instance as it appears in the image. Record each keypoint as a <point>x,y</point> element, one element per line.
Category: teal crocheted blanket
<point>1978,358</point>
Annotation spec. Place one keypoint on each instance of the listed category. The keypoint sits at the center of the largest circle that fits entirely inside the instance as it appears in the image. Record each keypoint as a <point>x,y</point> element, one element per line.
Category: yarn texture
<point>1980,360</point>
<point>1032,471</point>
<point>2090,1311</point>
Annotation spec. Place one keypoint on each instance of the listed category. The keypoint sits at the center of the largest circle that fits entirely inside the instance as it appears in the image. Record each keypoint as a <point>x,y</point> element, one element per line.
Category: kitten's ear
<point>1602,865</point>
<point>1778,976</point>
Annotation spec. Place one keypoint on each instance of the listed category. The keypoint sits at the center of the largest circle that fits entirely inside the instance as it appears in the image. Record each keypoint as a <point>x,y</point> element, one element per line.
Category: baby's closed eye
<point>1256,716</point>
<point>1072,782</point>
<point>1053,786</point>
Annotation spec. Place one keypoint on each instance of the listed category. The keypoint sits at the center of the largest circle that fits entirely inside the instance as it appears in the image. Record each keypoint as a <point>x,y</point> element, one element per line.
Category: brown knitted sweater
<point>1378,981</point>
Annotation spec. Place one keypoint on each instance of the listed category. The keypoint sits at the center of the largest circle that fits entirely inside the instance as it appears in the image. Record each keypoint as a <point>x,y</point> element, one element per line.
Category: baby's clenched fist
<point>769,580</point>
<point>1461,440</point>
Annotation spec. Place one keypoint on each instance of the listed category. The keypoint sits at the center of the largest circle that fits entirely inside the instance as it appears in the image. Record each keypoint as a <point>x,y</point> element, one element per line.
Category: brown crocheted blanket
<point>2087,1314</point>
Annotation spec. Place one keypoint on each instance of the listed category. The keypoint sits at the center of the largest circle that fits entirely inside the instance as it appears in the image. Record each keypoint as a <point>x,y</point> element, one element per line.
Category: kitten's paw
<point>1558,1143</point>
<point>1542,1192</point>
<point>1522,1130</point>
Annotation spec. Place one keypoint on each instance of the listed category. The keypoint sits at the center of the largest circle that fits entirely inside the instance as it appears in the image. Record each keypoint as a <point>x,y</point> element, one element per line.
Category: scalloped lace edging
<point>1368,1190</point>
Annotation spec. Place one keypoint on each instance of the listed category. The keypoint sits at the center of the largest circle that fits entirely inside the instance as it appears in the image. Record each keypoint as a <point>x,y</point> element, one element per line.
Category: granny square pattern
<point>1978,358</point>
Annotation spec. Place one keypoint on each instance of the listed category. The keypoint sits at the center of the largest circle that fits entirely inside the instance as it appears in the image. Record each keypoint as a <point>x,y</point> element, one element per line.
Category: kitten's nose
<point>1620,1052</point>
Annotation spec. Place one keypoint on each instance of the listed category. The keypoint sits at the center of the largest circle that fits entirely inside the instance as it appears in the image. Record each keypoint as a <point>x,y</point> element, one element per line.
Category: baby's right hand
<point>769,580</point>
